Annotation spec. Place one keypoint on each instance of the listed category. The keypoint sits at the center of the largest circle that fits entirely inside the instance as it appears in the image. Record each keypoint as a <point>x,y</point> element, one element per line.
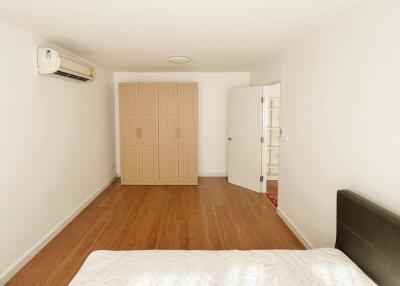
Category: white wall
<point>56,149</point>
<point>340,109</point>
<point>267,72</point>
<point>212,101</point>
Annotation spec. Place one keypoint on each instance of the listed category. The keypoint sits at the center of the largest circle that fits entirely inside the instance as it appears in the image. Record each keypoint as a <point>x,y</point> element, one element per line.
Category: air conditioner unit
<point>51,62</point>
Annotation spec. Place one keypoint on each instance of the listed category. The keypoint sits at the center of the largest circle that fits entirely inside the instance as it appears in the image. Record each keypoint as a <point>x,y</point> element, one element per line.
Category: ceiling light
<point>179,59</point>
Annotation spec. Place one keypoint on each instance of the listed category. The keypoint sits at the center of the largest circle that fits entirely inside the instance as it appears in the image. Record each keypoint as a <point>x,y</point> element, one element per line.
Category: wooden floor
<point>272,187</point>
<point>214,215</point>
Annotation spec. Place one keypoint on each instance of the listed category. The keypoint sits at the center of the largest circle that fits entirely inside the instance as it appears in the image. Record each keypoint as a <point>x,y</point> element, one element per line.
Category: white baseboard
<point>28,255</point>
<point>202,175</point>
<point>213,174</point>
<point>303,239</point>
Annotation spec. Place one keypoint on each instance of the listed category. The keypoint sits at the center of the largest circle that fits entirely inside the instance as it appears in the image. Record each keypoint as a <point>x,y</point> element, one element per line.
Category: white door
<point>245,130</point>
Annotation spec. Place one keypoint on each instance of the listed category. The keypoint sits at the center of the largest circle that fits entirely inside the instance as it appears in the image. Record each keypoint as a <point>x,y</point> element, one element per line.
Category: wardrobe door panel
<point>129,132</point>
<point>148,99</point>
<point>129,99</point>
<point>168,132</point>
<point>187,110</point>
<point>187,100</point>
<point>187,150</point>
<point>148,103</point>
<point>149,151</point>
<point>130,150</point>
<point>130,124</point>
<point>130,172</point>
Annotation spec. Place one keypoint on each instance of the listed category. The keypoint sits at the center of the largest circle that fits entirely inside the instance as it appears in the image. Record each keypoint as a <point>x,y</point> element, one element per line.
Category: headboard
<point>370,236</point>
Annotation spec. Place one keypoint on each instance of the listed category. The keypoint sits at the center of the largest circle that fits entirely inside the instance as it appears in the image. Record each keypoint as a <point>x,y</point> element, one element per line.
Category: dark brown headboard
<point>370,236</point>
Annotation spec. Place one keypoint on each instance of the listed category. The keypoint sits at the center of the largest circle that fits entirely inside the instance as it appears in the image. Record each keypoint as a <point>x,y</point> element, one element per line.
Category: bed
<point>367,252</point>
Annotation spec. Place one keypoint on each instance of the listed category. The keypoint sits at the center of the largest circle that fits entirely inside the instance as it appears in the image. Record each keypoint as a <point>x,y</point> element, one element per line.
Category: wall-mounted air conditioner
<point>51,62</point>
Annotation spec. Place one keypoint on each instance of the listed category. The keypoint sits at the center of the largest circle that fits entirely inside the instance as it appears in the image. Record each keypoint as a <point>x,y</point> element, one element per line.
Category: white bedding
<point>255,267</point>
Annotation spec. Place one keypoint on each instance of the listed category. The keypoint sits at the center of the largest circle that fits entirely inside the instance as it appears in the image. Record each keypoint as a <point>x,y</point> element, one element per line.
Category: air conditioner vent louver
<point>50,62</point>
<point>71,76</point>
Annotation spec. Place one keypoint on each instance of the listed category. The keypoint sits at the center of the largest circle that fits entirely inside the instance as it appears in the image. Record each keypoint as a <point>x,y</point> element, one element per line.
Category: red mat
<point>273,198</point>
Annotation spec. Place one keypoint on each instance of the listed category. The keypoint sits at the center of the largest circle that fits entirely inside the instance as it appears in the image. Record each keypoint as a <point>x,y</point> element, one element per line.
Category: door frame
<point>265,131</point>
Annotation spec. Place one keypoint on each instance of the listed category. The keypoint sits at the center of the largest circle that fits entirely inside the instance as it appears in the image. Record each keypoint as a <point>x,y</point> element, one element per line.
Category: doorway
<point>272,121</point>
<point>253,139</point>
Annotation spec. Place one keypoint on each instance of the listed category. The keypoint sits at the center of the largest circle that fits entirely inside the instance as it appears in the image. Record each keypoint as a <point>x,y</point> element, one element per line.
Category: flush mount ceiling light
<point>179,59</point>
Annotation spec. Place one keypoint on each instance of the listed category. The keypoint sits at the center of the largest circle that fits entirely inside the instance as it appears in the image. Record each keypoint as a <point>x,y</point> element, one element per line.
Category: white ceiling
<point>138,35</point>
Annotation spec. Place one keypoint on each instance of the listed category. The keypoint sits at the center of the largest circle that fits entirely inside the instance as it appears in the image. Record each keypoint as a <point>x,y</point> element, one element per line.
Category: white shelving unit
<point>273,135</point>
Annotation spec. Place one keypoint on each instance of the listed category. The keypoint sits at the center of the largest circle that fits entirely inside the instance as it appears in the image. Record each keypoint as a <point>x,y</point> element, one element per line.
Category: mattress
<point>231,267</point>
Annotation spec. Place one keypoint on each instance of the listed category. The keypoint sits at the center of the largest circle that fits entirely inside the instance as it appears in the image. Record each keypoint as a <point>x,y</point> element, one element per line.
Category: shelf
<point>273,146</point>
<point>273,139</point>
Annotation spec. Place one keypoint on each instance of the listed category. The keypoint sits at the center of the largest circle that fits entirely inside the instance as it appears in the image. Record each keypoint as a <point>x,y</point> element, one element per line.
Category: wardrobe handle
<point>138,132</point>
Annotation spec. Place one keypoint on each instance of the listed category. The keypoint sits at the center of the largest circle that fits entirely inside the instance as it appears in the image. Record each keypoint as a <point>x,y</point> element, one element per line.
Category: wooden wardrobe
<point>158,123</point>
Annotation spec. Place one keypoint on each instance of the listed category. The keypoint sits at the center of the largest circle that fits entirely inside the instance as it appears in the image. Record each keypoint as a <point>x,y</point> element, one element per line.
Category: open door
<point>245,138</point>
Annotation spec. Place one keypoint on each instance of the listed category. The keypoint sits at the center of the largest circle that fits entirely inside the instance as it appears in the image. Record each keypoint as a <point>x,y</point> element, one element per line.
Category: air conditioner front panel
<point>75,67</point>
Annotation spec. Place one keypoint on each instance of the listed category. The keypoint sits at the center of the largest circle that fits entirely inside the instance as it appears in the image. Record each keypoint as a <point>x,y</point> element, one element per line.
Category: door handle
<point>229,138</point>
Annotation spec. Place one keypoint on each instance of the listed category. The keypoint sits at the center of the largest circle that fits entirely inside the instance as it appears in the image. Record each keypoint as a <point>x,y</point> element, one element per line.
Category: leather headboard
<point>370,236</point>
